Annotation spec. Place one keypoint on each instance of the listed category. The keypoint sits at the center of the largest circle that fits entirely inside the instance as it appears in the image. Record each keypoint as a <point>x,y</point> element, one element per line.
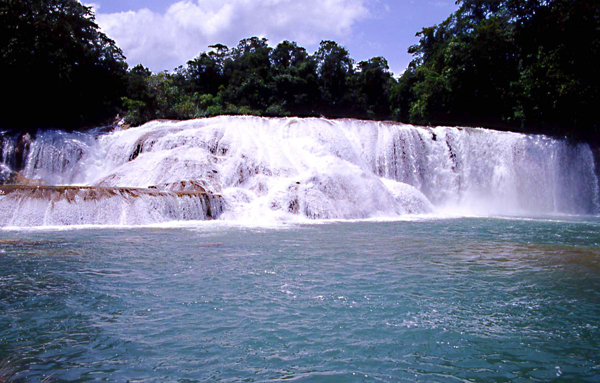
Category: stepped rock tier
<point>256,169</point>
<point>72,205</point>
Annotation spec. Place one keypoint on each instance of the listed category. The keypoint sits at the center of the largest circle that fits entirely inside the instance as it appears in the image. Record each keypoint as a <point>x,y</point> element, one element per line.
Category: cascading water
<point>286,169</point>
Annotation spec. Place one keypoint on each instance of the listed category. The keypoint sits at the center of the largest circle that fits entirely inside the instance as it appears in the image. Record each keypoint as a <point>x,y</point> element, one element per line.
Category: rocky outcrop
<point>15,178</point>
<point>184,186</point>
<point>22,205</point>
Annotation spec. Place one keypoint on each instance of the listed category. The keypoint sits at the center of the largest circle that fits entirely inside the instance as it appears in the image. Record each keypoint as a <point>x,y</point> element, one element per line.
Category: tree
<point>335,70</point>
<point>288,55</point>
<point>140,98</point>
<point>158,95</point>
<point>249,71</point>
<point>402,94</point>
<point>373,83</point>
<point>514,64</point>
<point>63,71</point>
<point>559,44</point>
<point>295,78</point>
<point>206,72</point>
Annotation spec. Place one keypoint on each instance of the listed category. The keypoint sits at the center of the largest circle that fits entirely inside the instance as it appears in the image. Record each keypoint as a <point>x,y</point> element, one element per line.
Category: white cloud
<point>162,41</point>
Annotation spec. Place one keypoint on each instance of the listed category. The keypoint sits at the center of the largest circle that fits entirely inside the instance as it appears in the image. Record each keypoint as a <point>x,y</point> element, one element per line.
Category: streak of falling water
<point>292,168</point>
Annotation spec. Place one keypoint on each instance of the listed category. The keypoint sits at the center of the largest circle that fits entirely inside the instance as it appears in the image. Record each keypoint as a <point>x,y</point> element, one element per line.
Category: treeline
<point>522,64</point>
<point>529,65</point>
<point>58,69</point>
<point>253,78</point>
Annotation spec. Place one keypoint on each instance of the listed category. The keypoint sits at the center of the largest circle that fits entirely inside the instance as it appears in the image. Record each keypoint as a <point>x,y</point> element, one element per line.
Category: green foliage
<point>295,79</point>
<point>249,72</point>
<point>276,111</point>
<point>402,95</point>
<point>372,84</point>
<point>206,73</point>
<point>335,69</point>
<point>514,64</point>
<point>431,92</point>
<point>520,64</point>
<point>62,70</point>
<point>152,96</point>
<point>255,79</point>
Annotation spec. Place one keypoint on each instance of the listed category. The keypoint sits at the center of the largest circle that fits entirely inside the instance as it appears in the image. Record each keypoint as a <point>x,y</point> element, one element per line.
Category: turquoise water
<point>432,300</point>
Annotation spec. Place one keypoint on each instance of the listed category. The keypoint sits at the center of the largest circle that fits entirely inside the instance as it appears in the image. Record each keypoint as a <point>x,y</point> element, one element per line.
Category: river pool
<point>465,299</point>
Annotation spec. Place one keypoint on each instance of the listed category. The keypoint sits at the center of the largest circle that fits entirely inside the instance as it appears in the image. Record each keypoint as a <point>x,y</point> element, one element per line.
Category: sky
<point>163,34</point>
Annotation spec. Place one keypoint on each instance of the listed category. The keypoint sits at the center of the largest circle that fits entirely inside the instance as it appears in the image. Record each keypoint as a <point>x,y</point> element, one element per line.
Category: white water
<point>296,169</point>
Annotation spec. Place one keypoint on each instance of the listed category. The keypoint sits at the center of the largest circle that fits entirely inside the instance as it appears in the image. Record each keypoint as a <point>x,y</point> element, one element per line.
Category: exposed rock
<point>22,205</point>
<point>196,186</point>
<point>93,192</point>
<point>15,178</point>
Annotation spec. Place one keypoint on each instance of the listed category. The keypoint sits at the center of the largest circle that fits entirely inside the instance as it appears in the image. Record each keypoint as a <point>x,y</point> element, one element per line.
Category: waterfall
<point>293,168</point>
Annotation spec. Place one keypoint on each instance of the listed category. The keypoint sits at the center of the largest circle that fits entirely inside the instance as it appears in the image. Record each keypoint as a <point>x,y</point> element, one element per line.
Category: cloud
<point>165,40</point>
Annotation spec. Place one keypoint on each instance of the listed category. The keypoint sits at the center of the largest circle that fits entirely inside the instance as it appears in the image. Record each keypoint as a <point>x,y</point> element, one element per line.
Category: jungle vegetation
<point>524,65</point>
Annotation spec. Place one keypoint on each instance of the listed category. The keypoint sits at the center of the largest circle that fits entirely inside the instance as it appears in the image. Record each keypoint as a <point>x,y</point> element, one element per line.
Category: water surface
<point>467,299</point>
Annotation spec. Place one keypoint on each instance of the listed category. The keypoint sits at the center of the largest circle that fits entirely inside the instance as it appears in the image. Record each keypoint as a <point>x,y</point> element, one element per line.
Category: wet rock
<point>15,178</point>
<point>196,186</point>
<point>22,205</point>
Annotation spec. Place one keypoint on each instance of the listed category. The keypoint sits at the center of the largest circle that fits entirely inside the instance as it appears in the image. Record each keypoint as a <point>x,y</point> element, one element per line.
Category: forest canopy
<point>58,69</point>
<point>527,65</point>
<point>524,64</point>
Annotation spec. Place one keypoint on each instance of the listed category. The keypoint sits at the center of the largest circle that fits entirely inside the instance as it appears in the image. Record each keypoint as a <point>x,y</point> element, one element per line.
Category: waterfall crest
<point>293,168</point>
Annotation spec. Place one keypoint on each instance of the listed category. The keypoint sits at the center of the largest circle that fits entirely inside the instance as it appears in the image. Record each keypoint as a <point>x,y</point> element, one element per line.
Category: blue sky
<point>162,34</point>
